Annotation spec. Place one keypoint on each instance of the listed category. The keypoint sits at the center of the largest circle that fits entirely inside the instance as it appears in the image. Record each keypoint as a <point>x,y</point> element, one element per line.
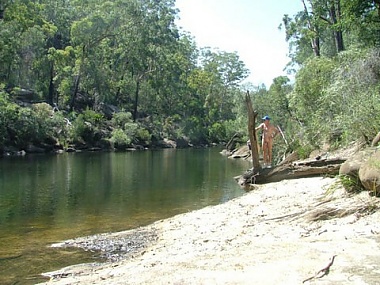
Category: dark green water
<point>49,198</point>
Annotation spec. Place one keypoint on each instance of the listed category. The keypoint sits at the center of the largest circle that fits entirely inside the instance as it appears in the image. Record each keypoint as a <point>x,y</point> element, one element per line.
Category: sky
<point>248,27</point>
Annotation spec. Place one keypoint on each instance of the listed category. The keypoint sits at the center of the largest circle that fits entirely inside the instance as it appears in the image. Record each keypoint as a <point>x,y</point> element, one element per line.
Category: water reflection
<point>45,199</point>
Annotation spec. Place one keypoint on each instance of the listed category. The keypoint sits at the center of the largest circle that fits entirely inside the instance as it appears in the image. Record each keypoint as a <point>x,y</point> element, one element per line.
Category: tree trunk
<point>77,80</point>
<point>335,15</point>
<point>291,171</point>
<point>252,134</point>
<point>50,98</point>
<point>136,100</point>
<point>75,92</point>
<point>232,142</point>
<point>315,43</point>
<point>377,4</point>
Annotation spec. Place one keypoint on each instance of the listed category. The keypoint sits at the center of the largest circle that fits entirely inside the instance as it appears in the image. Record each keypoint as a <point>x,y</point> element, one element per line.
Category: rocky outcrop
<point>363,168</point>
<point>369,173</point>
<point>352,165</point>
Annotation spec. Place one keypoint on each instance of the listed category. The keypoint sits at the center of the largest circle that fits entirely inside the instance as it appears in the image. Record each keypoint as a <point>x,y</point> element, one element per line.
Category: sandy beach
<point>279,233</point>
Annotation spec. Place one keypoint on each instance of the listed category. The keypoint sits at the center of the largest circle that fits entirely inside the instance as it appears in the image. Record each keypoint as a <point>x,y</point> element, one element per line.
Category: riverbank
<point>279,233</point>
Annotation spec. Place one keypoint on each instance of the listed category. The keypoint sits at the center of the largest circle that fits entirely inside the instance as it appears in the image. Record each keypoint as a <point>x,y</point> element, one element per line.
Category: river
<point>49,198</point>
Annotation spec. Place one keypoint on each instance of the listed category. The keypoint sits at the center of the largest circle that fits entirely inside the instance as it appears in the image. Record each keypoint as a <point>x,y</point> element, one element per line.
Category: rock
<point>20,153</point>
<point>226,152</point>
<point>108,110</point>
<point>138,147</point>
<point>168,143</point>
<point>369,173</point>
<point>376,140</point>
<point>352,165</point>
<point>182,143</point>
<point>242,152</point>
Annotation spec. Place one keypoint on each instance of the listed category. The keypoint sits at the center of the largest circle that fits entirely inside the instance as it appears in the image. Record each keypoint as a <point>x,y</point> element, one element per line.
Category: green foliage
<point>303,151</point>
<point>172,127</point>
<point>143,136</point>
<point>351,184</point>
<point>78,130</point>
<point>29,125</point>
<point>354,94</point>
<point>93,117</point>
<point>120,139</point>
<point>4,104</point>
<point>127,132</point>
<point>130,54</point>
<point>45,128</point>
<point>120,119</point>
<point>217,132</point>
<point>195,130</point>
<point>311,81</point>
<point>86,127</point>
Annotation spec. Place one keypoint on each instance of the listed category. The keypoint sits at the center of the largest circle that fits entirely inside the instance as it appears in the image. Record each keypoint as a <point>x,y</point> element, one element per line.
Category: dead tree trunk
<point>252,133</point>
<point>232,142</point>
<point>300,169</point>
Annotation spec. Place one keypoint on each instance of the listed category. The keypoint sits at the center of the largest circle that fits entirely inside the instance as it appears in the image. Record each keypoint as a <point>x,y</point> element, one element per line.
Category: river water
<point>49,198</point>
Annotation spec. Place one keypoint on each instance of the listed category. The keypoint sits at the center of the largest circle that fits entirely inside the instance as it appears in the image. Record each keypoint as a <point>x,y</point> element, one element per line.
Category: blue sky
<point>249,27</point>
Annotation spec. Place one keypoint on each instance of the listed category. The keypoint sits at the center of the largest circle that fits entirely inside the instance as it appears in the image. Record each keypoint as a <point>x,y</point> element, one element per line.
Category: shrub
<point>86,127</point>
<point>143,136</point>
<point>120,139</point>
<point>217,132</point>
<point>351,184</point>
<point>121,118</point>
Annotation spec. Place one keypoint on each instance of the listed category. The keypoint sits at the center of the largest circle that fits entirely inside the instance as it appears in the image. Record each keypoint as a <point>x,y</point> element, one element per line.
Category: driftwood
<point>232,142</point>
<point>299,169</point>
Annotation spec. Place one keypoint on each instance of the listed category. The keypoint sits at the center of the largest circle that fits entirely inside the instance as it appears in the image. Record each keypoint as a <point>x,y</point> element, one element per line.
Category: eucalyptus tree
<point>60,15</point>
<point>170,80</point>
<point>147,35</point>
<point>213,85</point>
<point>328,27</point>
<point>226,71</point>
<point>318,28</point>
<point>361,19</point>
<point>89,35</point>
<point>23,33</point>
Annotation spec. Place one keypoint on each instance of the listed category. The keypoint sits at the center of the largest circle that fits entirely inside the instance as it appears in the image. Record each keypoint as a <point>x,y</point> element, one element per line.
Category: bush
<point>143,136</point>
<point>217,133</point>
<point>3,118</point>
<point>119,139</point>
<point>86,127</point>
<point>120,119</point>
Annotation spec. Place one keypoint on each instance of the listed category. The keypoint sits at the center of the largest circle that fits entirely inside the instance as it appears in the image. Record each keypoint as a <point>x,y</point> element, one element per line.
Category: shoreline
<point>279,233</point>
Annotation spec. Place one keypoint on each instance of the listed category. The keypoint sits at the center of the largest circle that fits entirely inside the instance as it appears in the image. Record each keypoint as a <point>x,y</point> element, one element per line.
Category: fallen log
<point>294,170</point>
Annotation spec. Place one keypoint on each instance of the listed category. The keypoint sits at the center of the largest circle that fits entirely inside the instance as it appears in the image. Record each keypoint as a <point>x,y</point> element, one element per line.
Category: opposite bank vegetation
<point>122,74</point>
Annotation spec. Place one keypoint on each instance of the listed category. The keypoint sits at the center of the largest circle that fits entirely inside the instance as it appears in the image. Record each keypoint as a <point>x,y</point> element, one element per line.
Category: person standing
<point>268,133</point>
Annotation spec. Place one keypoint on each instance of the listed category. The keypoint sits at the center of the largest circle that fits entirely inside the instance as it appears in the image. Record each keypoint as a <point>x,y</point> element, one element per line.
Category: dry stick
<point>282,134</point>
<point>286,216</point>
<point>324,270</point>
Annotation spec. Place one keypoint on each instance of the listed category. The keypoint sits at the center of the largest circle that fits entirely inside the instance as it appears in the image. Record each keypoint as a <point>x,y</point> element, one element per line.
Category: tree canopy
<point>122,72</point>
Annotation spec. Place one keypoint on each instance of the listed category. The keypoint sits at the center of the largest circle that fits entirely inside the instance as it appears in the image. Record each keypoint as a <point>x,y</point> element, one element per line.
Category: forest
<point>86,74</point>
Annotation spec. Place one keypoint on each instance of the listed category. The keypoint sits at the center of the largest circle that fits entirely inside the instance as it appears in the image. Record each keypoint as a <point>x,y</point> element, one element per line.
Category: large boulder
<point>369,173</point>
<point>242,152</point>
<point>352,165</point>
